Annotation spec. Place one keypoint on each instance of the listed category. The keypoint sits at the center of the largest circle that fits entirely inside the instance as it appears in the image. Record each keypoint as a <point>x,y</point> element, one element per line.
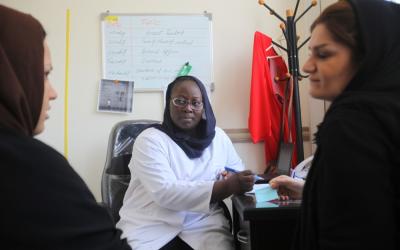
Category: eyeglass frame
<point>187,102</point>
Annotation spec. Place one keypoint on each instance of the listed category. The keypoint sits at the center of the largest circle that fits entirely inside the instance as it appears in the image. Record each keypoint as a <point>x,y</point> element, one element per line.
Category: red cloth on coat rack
<point>266,97</point>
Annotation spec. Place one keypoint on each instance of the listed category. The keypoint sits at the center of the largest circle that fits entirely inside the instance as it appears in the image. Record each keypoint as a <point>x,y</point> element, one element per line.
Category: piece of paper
<point>266,204</point>
<point>115,96</point>
<point>266,193</point>
<point>256,187</point>
<point>111,19</point>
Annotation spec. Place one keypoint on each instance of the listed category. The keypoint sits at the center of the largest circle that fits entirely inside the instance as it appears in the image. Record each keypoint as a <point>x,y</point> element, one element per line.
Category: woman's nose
<point>308,66</point>
<point>188,107</point>
<point>53,92</point>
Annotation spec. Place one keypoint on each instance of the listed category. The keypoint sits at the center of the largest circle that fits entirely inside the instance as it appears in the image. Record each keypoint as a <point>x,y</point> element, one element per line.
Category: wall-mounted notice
<point>150,49</point>
<point>115,96</point>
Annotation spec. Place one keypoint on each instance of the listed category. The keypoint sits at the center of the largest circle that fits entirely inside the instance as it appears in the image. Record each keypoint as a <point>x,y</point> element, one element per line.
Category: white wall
<point>234,23</point>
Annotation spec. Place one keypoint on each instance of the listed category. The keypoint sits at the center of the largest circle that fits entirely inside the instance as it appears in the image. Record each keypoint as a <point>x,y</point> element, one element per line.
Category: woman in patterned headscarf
<point>46,205</point>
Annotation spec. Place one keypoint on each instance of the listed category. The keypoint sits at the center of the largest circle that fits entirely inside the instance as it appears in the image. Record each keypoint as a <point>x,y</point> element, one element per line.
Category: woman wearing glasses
<point>171,201</point>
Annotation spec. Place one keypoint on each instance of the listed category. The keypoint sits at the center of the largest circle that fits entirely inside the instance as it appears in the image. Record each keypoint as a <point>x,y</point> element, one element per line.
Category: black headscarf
<point>21,70</point>
<point>379,72</point>
<point>192,146</point>
<point>376,85</point>
<point>380,69</point>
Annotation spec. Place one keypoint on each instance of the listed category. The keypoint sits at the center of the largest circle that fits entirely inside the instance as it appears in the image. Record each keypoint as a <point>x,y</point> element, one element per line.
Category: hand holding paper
<point>288,187</point>
<point>241,182</point>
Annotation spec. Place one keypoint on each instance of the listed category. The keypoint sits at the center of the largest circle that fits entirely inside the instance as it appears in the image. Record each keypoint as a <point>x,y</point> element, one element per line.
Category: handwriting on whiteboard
<point>150,50</point>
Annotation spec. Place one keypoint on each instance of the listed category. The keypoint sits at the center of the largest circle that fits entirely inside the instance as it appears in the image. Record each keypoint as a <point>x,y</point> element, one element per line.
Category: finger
<point>248,188</point>
<point>246,173</point>
<point>284,197</point>
<point>248,178</point>
<point>277,181</point>
<point>251,184</point>
<point>283,191</point>
<point>248,183</point>
<point>273,184</point>
<point>282,181</point>
<point>285,180</point>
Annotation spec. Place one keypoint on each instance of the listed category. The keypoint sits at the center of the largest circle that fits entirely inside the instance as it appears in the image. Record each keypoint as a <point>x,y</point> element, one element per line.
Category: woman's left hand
<point>288,188</point>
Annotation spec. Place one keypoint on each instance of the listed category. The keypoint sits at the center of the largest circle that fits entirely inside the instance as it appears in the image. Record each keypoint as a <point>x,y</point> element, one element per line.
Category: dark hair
<point>340,20</point>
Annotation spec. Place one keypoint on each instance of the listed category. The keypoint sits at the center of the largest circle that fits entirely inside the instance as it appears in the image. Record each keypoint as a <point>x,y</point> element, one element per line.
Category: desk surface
<point>249,209</point>
<point>269,224</point>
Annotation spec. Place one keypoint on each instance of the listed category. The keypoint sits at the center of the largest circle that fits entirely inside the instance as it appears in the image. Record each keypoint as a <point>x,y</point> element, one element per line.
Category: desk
<point>266,225</point>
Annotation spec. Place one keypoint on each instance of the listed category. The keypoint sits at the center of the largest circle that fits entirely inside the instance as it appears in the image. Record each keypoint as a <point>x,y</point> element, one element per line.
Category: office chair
<point>116,174</point>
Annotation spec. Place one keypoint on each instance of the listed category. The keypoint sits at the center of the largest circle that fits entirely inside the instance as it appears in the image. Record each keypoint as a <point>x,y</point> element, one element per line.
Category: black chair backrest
<point>116,174</point>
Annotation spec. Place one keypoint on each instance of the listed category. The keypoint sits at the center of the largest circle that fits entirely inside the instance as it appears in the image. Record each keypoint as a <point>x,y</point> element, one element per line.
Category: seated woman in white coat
<point>172,198</point>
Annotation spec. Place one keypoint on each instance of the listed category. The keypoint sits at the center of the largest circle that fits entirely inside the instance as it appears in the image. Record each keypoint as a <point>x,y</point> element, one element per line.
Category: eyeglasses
<point>182,102</point>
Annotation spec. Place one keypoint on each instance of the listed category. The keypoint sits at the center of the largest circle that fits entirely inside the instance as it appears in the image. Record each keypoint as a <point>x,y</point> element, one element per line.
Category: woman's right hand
<point>288,188</point>
<point>241,182</point>
<point>232,183</point>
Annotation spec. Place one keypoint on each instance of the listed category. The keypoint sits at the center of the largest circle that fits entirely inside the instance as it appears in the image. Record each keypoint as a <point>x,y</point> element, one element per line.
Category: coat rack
<point>288,28</point>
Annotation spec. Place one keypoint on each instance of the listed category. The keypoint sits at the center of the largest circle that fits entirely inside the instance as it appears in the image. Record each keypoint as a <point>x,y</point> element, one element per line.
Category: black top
<point>45,204</point>
<point>351,199</point>
<point>352,195</point>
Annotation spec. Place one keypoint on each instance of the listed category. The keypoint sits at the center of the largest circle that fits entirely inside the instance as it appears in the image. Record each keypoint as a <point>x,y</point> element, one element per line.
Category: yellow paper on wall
<point>111,19</point>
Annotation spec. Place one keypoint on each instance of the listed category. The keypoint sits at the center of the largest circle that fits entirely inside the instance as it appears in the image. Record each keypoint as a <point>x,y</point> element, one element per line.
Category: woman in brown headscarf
<point>46,205</point>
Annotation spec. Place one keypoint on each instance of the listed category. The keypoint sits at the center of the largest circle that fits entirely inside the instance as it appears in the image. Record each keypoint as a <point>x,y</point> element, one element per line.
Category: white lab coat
<point>169,194</point>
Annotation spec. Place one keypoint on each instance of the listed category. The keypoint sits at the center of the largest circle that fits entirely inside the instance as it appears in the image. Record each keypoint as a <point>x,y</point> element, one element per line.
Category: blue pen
<point>256,177</point>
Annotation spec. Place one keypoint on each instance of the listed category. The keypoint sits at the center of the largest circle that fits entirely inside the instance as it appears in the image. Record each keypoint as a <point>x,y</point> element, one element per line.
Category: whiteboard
<point>150,49</point>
